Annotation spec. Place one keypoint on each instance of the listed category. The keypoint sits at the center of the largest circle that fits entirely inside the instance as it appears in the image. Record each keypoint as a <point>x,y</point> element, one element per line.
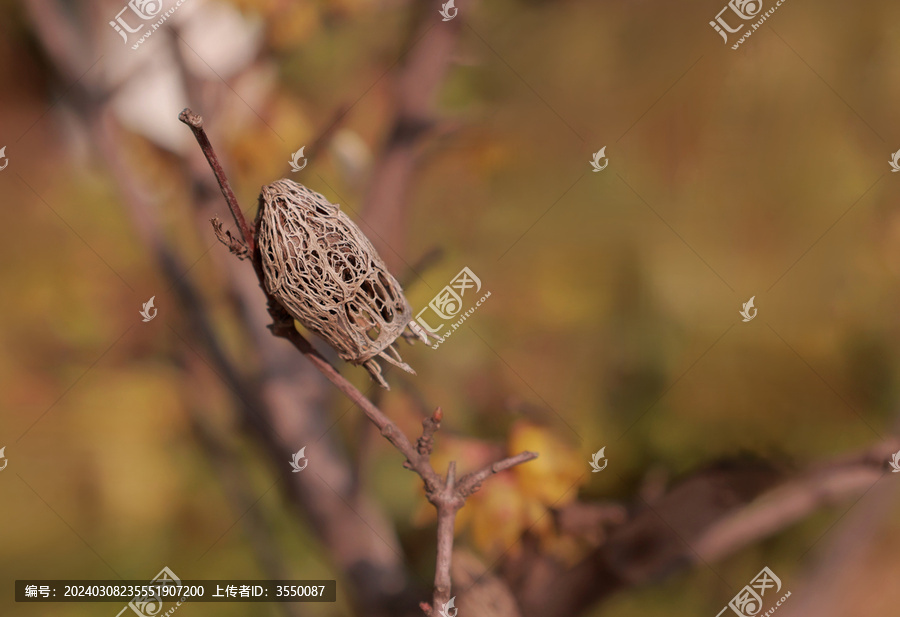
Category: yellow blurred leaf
<point>551,478</point>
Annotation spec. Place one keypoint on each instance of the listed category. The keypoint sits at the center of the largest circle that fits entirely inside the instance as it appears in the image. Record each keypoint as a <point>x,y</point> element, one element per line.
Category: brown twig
<point>415,85</point>
<point>446,495</point>
<point>795,500</point>
<point>471,482</point>
<point>195,122</point>
<point>448,501</point>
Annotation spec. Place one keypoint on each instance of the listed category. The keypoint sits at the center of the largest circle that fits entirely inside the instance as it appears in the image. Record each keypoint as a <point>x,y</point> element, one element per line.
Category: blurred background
<point>613,320</point>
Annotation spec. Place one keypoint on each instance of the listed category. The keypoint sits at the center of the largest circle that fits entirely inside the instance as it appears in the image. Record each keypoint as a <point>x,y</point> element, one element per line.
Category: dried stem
<point>195,122</point>
<point>795,500</point>
<point>471,482</point>
<point>447,504</point>
<point>446,495</point>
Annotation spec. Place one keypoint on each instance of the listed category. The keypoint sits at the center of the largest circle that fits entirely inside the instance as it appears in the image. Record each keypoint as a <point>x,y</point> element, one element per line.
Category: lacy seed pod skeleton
<point>321,267</point>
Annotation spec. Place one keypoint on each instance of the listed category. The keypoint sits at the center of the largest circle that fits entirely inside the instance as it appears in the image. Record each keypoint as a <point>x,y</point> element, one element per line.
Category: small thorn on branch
<point>225,237</point>
<point>425,443</point>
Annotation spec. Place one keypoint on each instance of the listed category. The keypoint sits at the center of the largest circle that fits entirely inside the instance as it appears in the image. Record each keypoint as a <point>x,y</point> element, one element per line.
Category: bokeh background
<point>613,319</point>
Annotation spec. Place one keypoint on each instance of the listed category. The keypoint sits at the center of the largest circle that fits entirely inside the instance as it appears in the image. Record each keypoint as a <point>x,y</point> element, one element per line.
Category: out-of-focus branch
<point>425,262</point>
<point>711,514</point>
<point>283,406</point>
<point>238,486</point>
<point>325,135</point>
<point>795,500</point>
<point>416,84</point>
<point>823,589</point>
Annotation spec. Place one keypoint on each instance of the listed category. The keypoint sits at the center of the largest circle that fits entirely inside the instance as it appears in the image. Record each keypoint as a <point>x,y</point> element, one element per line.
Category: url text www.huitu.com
<point>123,24</point>
<point>756,25</point>
<point>459,321</point>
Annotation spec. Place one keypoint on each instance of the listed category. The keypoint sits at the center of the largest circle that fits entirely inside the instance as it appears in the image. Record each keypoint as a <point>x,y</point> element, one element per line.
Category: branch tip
<point>190,118</point>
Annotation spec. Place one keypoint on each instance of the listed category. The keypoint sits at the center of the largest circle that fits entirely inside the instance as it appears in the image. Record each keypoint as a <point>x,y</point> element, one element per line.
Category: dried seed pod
<point>321,267</point>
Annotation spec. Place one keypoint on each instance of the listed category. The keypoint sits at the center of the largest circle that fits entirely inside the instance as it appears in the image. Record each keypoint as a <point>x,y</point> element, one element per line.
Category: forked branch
<point>447,494</point>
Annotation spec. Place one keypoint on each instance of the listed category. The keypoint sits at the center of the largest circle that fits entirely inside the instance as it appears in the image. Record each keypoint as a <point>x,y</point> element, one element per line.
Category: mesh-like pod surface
<point>328,276</point>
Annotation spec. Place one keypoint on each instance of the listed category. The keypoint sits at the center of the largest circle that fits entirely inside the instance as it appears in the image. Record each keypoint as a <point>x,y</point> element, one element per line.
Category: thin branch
<point>195,122</point>
<point>794,501</point>
<point>416,83</point>
<point>445,495</point>
<point>284,328</point>
<point>237,485</point>
<point>471,482</point>
<point>414,272</point>
<point>445,524</point>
